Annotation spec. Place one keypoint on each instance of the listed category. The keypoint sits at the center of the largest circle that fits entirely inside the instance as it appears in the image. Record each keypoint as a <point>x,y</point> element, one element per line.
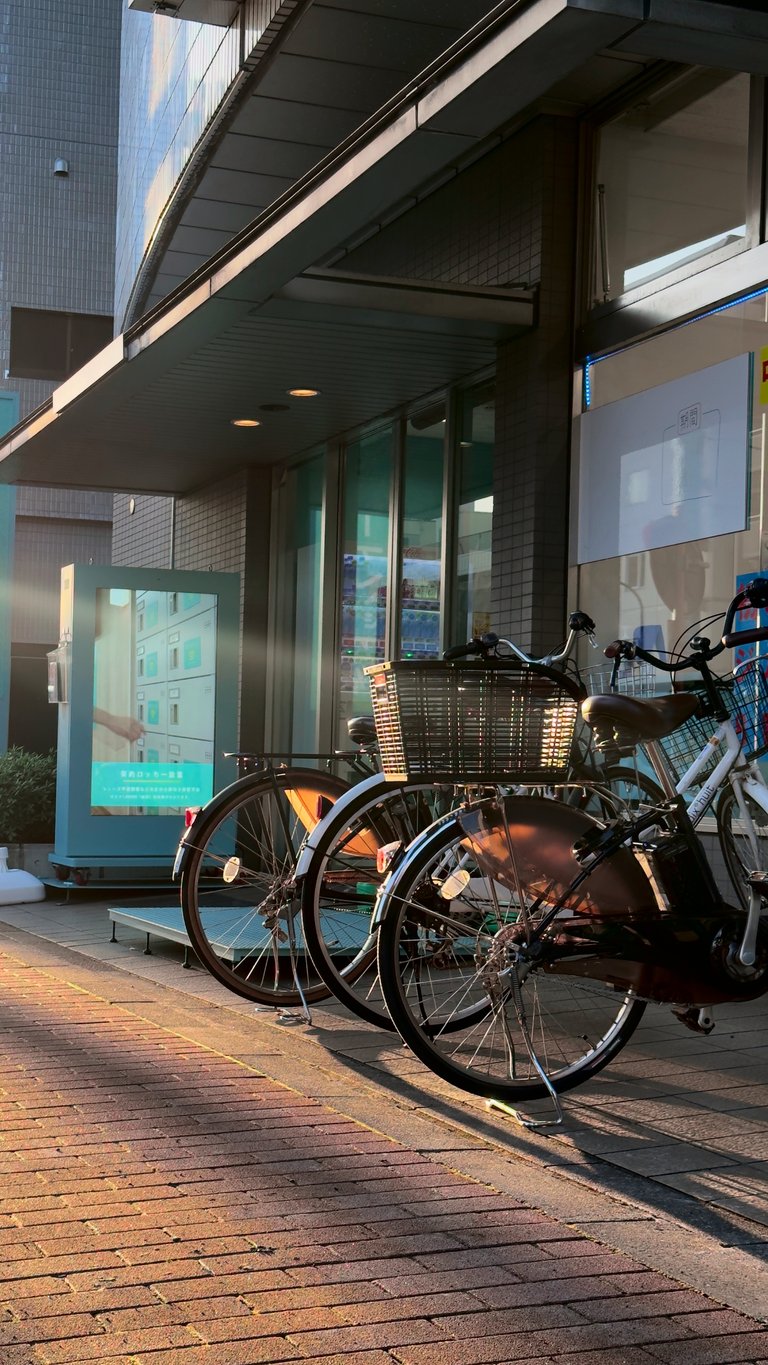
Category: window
<point>475,514</point>
<point>658,595</point>
<point>365,567</point>
<point>422,533</point>
<point>306,493</point>
<point>672,182</point>
<point>52,345</point>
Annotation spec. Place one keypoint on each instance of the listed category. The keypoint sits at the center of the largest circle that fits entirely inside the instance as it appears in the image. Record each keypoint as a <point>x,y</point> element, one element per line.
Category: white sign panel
<point>667,465</point>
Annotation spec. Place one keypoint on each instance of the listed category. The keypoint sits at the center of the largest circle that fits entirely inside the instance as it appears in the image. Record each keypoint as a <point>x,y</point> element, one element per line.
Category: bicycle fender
<point>335,822</point>
<point>541,834</point>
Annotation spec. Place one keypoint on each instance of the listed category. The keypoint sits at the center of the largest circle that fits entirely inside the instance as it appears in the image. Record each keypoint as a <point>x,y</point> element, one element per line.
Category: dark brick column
<point>533,418</point>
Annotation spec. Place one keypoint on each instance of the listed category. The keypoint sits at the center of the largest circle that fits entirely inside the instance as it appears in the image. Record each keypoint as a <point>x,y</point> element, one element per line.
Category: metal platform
<point>168,923</point>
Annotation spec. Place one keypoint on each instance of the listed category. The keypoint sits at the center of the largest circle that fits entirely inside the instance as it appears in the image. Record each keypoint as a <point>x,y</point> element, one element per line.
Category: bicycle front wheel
<point>447,944</point>
<point>744,850</point>
<point>238,892</point>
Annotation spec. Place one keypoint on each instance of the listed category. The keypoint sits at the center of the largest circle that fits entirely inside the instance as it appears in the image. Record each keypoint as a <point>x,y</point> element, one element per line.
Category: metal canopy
<point>158,417</point>
<point>152,412</point>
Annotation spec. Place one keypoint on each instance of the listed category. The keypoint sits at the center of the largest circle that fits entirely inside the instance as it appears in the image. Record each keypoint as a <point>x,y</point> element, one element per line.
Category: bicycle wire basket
<point>635,678</point>
<point>744,694</point>
<point>473,721</point>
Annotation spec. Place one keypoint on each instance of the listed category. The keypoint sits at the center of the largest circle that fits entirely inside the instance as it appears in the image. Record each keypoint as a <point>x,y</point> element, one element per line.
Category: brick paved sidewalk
<point>162,1204</point>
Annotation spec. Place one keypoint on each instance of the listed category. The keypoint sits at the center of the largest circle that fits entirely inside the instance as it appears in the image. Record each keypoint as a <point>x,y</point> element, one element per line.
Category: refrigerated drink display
<point>420,616</point>
<point>363,627</point>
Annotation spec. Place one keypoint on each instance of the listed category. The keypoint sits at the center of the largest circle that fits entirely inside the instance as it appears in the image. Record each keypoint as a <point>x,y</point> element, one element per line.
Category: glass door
<point>421,553</point>
<point>368,472</point>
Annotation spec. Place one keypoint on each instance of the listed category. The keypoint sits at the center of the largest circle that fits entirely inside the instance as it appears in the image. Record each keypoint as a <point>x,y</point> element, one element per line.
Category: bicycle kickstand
<point>527,1120</point>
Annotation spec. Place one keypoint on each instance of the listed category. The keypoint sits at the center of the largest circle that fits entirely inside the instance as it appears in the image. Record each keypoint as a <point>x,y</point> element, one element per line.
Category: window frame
<point>645,297</point>
<point>73,362</point>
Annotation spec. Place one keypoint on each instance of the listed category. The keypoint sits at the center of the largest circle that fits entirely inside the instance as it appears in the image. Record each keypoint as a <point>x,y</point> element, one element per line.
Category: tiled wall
<point>142,538</point>
<point>64,504</point>
<point>58,76</point>
<point>41,548</point>
<point>58,73</point>
<point>533,415</point>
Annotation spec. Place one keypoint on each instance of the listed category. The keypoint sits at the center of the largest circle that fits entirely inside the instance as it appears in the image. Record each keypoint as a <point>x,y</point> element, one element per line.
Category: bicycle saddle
<point>627,721</point>
<point>361,730</point>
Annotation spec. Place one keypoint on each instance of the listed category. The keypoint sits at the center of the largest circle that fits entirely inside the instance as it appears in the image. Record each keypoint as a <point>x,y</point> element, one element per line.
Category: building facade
<point>381,266</point>
<point>58,152</point>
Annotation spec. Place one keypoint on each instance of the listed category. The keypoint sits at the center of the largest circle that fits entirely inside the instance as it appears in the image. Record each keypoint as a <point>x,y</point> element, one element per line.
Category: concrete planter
<point>31,858</point>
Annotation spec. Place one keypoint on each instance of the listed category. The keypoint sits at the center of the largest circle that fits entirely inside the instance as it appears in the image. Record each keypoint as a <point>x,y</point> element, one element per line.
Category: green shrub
<point>27,796</point>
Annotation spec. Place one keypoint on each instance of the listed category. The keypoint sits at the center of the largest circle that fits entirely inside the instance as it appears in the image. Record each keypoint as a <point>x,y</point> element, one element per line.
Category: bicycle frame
<point>748,778</point>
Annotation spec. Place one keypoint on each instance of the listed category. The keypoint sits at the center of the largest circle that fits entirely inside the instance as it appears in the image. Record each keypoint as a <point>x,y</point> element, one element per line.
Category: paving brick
<point>264,1351</point>
<point>574,1290</point>
<point>191,1213</point>
<point>667,1302</point>
<point>107,1344</point>
<point>386,1335</point>
<point>49,1329</point>
<point>58,1305</point>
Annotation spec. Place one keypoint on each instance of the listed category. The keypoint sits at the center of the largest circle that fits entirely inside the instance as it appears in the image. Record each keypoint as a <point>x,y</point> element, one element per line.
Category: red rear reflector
<point>190,815</point>
<point>384,856</point>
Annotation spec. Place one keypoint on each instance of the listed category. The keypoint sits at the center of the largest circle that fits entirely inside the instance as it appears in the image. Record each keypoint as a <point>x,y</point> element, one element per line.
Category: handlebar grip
<point>620,649</point>
<point>745,637</point>
<point>464,651</point>
<point>754,595</point>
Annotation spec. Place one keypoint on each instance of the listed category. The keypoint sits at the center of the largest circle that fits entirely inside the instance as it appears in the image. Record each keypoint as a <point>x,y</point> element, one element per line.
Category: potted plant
<point>28,808</point>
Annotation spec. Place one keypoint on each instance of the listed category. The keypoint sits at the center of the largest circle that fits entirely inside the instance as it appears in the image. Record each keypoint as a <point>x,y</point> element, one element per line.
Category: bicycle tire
<point>341,883</point>
<point>238,895</point>
<point>433,966</point>
<point>736,849</point>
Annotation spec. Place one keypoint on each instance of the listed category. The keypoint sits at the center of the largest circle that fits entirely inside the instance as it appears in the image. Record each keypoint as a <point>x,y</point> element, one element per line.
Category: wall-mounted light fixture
<point>60,166</point>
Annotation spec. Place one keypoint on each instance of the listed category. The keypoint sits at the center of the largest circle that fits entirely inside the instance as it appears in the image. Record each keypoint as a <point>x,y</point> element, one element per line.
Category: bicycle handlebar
<point>483,646</point>
<point>754,595</point>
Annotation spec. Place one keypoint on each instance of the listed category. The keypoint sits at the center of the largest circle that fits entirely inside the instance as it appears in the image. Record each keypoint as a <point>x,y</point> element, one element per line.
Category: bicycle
<point>521,939</point>
<point>345,859</point>
<point>236,862</point>
<point>239,856</point>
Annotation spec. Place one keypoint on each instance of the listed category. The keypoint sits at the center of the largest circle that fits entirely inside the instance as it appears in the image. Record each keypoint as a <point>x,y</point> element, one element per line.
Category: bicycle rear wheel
<point>447,944</point>
<point>342,881</point>
<point>238,893</point>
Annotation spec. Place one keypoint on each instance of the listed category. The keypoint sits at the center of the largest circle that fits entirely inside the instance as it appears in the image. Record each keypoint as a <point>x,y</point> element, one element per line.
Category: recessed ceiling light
<point>244,422</point>
<point>304,393</point>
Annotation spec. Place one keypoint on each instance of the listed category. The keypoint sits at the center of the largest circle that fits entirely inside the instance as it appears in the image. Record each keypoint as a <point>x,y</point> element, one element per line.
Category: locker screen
<point>154,693</point>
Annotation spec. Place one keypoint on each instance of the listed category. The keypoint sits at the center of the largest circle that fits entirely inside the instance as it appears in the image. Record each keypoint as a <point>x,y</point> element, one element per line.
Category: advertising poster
<point>153,701</point>
<point>666,466</point>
